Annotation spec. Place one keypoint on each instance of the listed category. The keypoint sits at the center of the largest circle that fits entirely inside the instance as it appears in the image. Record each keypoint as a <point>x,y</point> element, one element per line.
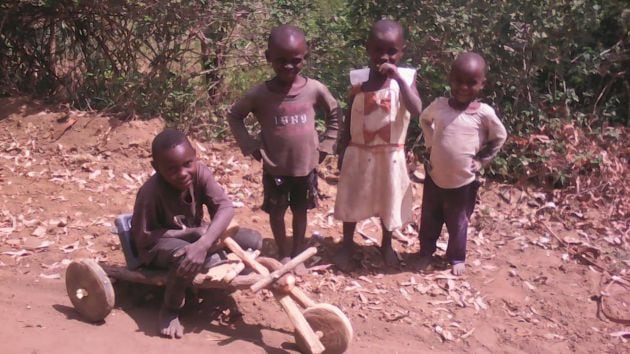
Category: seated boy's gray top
<point>160,207</point>
<point>287,123</point>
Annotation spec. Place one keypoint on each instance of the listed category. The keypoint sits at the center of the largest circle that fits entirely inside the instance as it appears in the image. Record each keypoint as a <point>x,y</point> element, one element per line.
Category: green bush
<point>551,62</point>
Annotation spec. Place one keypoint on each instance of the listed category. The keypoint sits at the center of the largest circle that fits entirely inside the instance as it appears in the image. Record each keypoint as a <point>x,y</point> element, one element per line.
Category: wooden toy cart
<point>319,327</point>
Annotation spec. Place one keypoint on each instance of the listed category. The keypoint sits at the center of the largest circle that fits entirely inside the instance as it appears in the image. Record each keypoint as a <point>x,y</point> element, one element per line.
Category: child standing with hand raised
<point>289,145</point>
<point>462,135</point>
<point>374,179</point>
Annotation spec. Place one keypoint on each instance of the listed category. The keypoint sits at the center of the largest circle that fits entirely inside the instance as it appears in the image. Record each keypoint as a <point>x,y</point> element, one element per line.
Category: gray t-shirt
<point>288,136</point>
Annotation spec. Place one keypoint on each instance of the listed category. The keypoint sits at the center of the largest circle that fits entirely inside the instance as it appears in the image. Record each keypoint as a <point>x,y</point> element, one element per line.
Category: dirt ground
<point>535,279</point>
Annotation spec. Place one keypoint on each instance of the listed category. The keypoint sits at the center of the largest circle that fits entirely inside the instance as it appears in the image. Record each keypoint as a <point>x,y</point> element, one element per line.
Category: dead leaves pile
<point>430,300</point>
<point>26,227</point>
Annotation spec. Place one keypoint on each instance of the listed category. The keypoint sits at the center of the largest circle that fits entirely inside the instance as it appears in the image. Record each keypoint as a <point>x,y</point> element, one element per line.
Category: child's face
<point>467,81</point>
<point>287,60</point>
<point>385,47</point>
<point>176,165</point>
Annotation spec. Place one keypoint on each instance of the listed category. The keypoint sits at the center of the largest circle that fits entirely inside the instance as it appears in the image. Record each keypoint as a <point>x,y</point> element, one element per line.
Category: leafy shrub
<point>551,63</point>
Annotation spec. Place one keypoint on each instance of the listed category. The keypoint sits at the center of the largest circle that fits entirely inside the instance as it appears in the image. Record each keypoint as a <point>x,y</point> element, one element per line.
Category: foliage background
<point>554,65</point>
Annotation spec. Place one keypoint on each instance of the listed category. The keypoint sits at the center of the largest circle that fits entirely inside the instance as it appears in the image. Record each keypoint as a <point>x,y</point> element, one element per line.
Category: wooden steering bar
<point>292,310</point>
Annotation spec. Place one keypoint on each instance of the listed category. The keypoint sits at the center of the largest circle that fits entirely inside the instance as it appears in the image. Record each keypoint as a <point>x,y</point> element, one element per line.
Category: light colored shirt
<point>287,127</point>
<point>459,138</point>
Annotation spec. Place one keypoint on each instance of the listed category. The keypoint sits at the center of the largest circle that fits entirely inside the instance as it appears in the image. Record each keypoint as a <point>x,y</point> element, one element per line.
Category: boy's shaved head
<point>386,26</point>
<point>284,35</point>
<point>167,139</point>
<point>467,78</point>
<point>286,52</point>
<point>469,62</point>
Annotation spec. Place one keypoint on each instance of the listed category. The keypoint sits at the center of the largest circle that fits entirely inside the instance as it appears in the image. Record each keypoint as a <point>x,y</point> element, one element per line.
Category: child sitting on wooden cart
<point>167,227</point>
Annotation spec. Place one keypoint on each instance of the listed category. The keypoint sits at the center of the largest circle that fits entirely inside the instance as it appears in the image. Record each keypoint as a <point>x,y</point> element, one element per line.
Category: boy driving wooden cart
<point>166,243</point>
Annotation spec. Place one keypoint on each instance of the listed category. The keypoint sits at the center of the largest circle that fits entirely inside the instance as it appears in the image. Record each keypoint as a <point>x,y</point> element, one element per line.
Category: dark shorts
<point>287,191</point>
<point>161,254</point>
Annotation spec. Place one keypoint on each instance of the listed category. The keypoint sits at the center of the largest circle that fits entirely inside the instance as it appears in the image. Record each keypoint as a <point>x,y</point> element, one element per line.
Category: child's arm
<point>496,138</point>
<point>409,94</point>
<point>333,113</point>
<point>426,123</point>
<point>344,137</point>
<point>236,116</point>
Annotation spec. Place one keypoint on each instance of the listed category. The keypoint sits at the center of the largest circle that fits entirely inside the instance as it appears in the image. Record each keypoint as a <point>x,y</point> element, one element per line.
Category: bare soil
<point>65,175</point>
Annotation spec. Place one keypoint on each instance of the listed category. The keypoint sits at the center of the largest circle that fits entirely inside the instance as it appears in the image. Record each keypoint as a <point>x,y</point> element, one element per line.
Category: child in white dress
<point>374,179</point>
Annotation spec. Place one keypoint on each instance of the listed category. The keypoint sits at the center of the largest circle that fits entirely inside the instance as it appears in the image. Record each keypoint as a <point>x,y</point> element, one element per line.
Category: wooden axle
<point>289,266</point>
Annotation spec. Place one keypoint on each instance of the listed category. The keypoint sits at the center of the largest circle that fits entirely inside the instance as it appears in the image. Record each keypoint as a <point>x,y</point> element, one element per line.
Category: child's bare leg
<point>299,230</point>
<point>343,256</point>
<point>276,220</point>
<point>390,257</point>
<point>174,296</point>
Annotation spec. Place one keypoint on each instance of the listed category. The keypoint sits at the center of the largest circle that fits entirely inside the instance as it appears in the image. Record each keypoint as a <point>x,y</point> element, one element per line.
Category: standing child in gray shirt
<point>462,135</point>
<point>289,145</point>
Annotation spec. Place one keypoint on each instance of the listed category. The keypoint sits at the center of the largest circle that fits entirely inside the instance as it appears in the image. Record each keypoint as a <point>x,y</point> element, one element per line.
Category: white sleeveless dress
<point>374,179</point>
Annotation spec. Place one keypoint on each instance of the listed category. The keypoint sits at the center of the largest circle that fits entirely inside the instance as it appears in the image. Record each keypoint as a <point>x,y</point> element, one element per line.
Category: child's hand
<point>257,155</point>
<point>194,257</point>
<point>390,70</point>
<point>476,166</point>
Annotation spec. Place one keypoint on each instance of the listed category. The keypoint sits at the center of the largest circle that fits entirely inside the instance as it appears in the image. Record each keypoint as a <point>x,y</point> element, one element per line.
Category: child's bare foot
<point>343,259</point>
<point>390,257</point>
<point>458,268</point>
<point>423,262</point>
<point>169,323</point>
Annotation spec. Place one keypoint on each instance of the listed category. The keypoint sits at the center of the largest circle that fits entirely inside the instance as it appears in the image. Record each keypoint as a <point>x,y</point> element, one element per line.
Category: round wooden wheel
<point>331,325</point>
<point>89,289</point>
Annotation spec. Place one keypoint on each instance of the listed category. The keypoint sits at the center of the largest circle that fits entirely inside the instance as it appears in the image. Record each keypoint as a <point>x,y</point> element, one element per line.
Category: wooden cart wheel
<point>89,290</point>
<point>331,324</point>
